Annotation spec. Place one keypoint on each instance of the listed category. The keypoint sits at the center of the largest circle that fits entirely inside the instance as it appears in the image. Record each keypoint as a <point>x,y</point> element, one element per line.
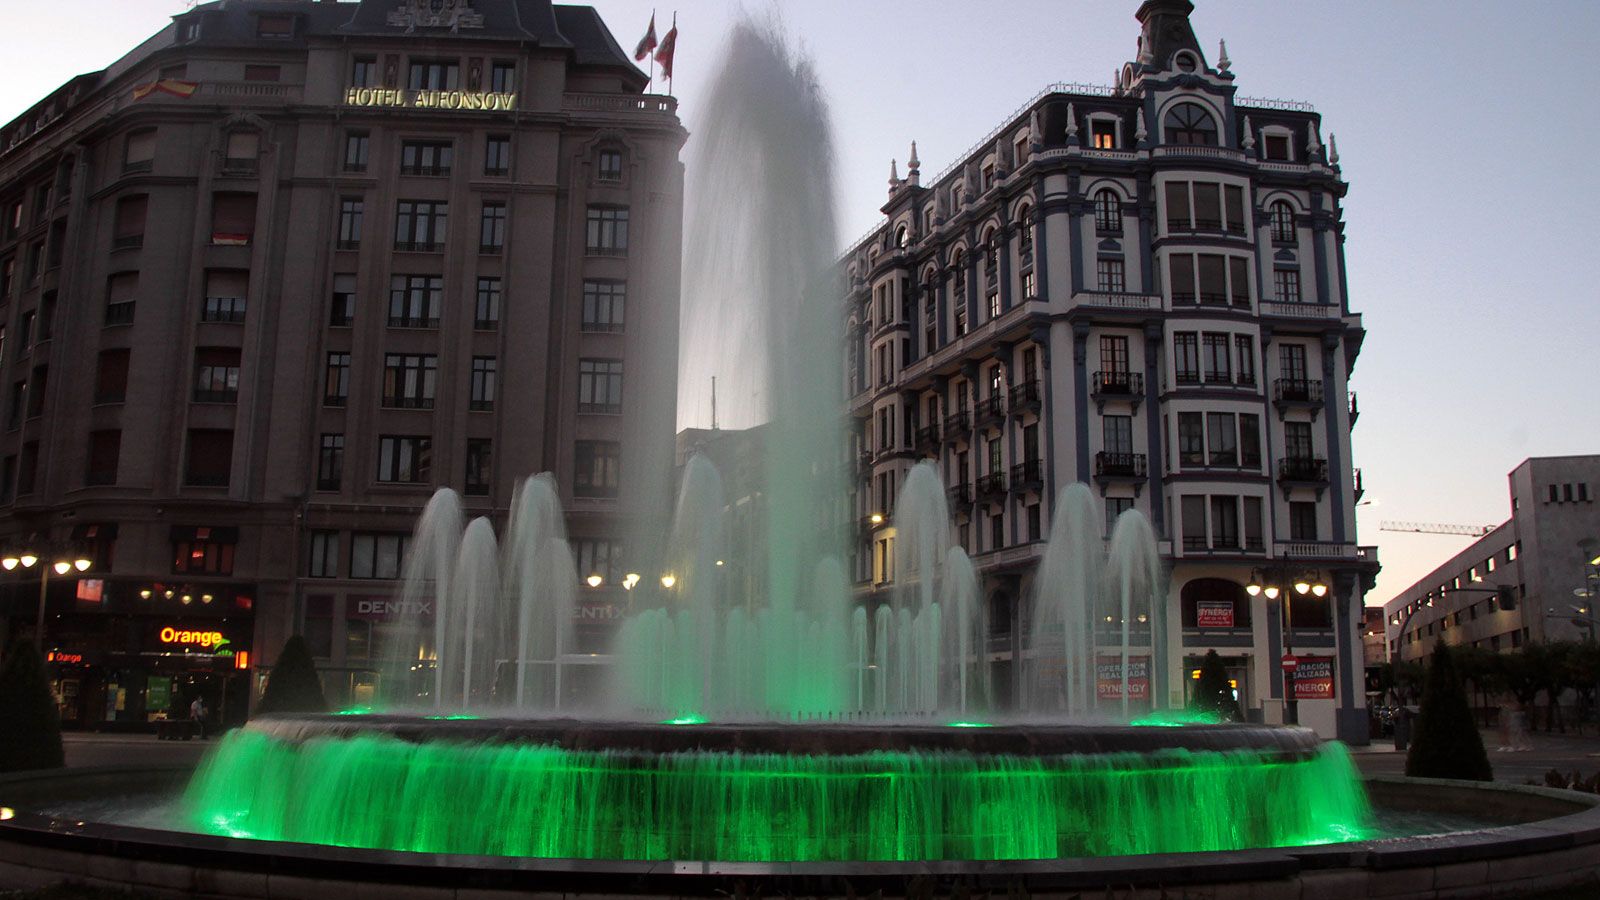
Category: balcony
<point>1117,386</point>
<point>959,497</point>
<point>1359,490</point>
<point>956,427</point>
<point>926,439</point>
<point>992,487</point>
<point>426,171</point>
<point>1026,397</point>
<point>1118,301</point>
<point>399,402</point>
<point>418,246</point>
<point>991,410</point>
<point>1303,471</point>
<point>1028,475</point>
<point>127,242</point>
<point>1120,466</point>
<point>215,395</point>
<point>1302,393</point>
<point>1355,408</point>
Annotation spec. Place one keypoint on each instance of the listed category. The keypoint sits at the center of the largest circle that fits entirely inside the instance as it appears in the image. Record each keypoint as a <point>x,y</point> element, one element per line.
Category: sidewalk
<point>1565,753</point>
<point>85,748</point>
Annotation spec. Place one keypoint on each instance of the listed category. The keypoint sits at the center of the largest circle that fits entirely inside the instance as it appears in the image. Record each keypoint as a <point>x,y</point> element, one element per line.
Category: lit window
<point>1103,134</point>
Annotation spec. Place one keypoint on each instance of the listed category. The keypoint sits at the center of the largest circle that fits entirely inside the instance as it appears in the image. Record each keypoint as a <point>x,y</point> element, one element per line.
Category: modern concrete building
<point>280,272</point>
<point>1140,287</point>
<point>1535,578</point>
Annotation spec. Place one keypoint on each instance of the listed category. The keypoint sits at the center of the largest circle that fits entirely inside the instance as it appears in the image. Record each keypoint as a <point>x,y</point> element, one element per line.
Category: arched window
<point>958,261</point>
<point>1188,123</point>
<point>1211,604</point>
<point>1025,227</point>
<point>1107,212</point>
<point>901,237</point>
<point>991,252</point>
<point>1283,230</point>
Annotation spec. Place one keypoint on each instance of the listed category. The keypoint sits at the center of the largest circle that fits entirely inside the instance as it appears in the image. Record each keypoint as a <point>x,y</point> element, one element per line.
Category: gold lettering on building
<point>430,99</point>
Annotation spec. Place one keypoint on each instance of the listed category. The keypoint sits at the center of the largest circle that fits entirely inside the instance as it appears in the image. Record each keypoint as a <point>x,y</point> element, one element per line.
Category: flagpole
<point>652,53</point>
<point>674,50</point>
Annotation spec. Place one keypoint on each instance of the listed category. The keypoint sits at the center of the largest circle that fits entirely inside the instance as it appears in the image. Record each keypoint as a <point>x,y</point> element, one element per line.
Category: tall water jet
<point>1064,609</point>
<point>470,613</point>
<point>1135,583</point>
<point>428,568</point>
<point>540,584</point>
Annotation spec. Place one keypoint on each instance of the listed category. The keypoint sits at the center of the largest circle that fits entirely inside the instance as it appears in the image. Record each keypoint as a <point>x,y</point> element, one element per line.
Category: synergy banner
<point>1213,614</point>
<point>1313,678</point>
<point>1108,677</point>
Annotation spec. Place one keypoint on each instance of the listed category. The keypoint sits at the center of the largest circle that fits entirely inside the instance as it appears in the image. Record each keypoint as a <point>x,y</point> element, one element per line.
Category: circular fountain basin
<point>1540,839</point>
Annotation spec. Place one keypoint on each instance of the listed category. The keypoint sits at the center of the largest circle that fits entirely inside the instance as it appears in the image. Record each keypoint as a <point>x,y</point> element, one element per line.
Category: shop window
<point>318,627</point>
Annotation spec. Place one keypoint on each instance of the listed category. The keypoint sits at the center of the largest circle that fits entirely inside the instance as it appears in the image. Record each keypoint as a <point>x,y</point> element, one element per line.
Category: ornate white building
<point>1140,287</point>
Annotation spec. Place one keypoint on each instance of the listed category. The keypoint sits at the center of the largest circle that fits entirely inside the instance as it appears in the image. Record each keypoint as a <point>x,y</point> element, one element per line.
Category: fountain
<point>800,726</point>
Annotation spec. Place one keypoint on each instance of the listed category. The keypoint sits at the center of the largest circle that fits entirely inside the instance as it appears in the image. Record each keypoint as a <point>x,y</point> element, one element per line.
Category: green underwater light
<point>690,719</point>
<point>522,800</point>
<point>1172,717</point>
<point>969,725</point>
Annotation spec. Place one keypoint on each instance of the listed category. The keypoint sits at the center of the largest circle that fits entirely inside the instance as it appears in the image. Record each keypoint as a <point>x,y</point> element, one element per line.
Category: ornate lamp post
<point>1286,583</point>
<point>58,559</point>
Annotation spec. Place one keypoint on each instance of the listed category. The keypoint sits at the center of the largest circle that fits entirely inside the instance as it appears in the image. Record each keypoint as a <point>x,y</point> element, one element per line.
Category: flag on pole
<point>646,43</point>
<point>668,45</point>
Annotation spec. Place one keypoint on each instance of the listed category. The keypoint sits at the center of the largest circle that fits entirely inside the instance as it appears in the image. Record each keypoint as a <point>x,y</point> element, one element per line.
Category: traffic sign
<point>1290,663</point>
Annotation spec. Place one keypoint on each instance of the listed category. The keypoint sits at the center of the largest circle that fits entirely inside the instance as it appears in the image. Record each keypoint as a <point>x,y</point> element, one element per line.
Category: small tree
<point>1212,693</point>
<point>1447,743</point>
<point>293,686</point>
<point>30,725</point>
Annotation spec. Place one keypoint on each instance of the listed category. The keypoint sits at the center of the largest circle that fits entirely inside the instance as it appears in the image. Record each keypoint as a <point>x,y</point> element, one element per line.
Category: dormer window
<point>901,237</point>
<point>1189,123</point>
<point>1275,147</point>
<point>1103,134</point>
<point>275,26</point>
<point>188,30</point>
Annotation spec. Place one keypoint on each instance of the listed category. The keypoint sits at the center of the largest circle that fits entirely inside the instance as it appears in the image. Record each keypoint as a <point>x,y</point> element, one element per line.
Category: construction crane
<point>1437,528</point>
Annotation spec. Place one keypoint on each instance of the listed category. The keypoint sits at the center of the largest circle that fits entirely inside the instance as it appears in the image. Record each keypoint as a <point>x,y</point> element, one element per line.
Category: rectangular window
<point>607,232</point>
<point>1117,433</point>
<point>414,301</point>
<point>1113,355</point>
<point>8,479</point>
<point>324,556</point>
<point>503,78</point>
<point>210,457</point>
<point>1239,280</point>
<point>1180,271</point>
<point>1110,275</point>
<point>225,296</point>
<point>1207,206</point>
<point>330,462</point>
<point>105,448</point>
<point>431,75</point>
<point>262,73</point>
<point>19,401</point>
<point>961,317</point>
<point>598,556</point>
<point>485,372</point>
<point>351,213</point>
<point>480,455</point>
<point>1286,285</point>
<point>1302,521</point>
<point>1275,147</point>
<point>1225,523</point>
<point>597,465</point>
<point>139,152</point>
<point>409,380</point>
<point>233,219</point>
<point>1245,355</point>
<point>609,166</point>
<point>342,311</point>
<point>1250,440</point>
<point>420,225</point>
<point>492,228</point>
<point>432,158</point>
<point>1191,439</point>
<point>1222,439</point>
<point>376,555</point>
<point>1103,134</point>
<point>274,26</point>
<point>1115,507</point>
<point>603,305</point>
<point>1030,286</point>
<point>1297,440</point>
<point>244,147</point>
<point>497,155</point>
<point>364,72</point>
<point>357,145</point>
<point>128,230</point>
<point>1194,522</point>
<point>336,384</point>
<point>1233,208</point>
<point>1253,539</point>
<point>486,313</point>
<point>404,459</point>
<point>1178,215</point>
<point>111,376</point>
<point>1215,357</point>
<point>1292,360</point>
<point>203,556</point>
<point>1213,278</point>
<point>1186,357</point>
<point>216,375</point>
<point>600,386</point>
<point>28,468</point>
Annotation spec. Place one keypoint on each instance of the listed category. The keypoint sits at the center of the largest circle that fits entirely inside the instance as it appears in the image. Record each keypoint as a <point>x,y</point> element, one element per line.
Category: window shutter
<point>141,147</point>
<point>227,283</point>
<point>210,456</point>
<point>130,216</point>
<point>233,218</point>
<point>122,287</point>
<point>243,145</point>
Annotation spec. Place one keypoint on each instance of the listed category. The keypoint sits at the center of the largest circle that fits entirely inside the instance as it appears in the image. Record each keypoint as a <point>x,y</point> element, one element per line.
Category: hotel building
<point>1140,287</point>
<point>278,273</point>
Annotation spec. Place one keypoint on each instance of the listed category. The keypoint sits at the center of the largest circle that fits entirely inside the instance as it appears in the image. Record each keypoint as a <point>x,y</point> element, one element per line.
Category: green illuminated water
<point>1172,717</point>
<point>539,801</point>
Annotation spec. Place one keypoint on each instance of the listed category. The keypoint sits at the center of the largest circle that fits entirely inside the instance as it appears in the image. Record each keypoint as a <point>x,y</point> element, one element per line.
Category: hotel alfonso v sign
<point>400,97</point>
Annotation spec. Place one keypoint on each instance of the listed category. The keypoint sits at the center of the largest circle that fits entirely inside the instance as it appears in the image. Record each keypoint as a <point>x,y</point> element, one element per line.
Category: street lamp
<point>1269,582</point>
<point>64,560</point>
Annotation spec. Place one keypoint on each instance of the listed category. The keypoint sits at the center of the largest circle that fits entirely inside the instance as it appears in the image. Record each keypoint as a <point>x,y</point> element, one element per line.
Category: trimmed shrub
<point>30,725</point>
<point>1446,743</point>
<point>293,686</point>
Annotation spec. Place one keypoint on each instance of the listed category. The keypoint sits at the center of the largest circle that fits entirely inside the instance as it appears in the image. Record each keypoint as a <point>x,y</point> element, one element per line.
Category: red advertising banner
<point>1213,614</point>
<point>1313,678</point>
<point>1108,677</point>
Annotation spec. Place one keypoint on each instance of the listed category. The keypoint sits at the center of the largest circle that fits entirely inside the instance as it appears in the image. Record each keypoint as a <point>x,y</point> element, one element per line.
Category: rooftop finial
<point>1249,142</point>
<point>1139,131</point>
<point>894,174</point>
<point>1072,123</point>
<point>913,164</point>
<point>1035,133</point>
<point>1223,62</point>
<point>1313,143</point>
<point>1333,149</point>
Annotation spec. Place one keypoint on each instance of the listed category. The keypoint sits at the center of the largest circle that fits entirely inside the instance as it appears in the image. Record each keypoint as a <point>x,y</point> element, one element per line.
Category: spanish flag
<point>181,89</point>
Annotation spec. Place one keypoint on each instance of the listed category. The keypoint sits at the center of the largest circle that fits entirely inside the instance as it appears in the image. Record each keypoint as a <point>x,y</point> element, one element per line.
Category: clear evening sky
<point>1466,132</point>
